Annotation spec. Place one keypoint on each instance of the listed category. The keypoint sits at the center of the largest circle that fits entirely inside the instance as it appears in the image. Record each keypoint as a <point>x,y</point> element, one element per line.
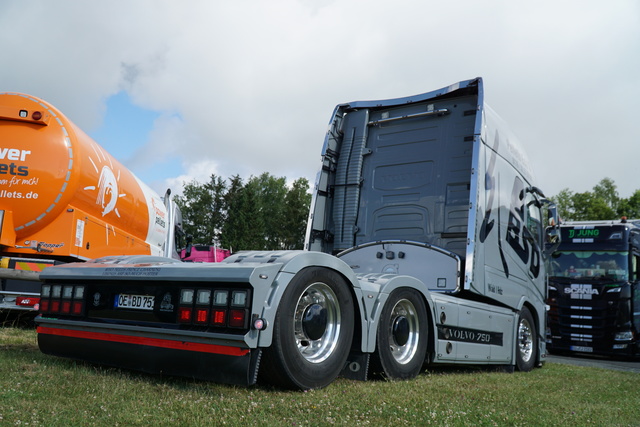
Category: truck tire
<point>402,336</point>
<point>313,330</point>
<point>526,342</point>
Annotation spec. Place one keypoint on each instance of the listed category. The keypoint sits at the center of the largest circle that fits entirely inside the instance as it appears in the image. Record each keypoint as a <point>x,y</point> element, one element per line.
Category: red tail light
<point>66,307</point>
<point>184,315</point>
<point>218,308</point>
<point>202,316</point>
<point>61,299</point>
<point>77,308</point>
<point>219,317</point>
<point>237,318</point>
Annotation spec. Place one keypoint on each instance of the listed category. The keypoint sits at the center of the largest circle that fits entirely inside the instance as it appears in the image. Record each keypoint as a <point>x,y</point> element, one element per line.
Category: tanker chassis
<point>425,244</point>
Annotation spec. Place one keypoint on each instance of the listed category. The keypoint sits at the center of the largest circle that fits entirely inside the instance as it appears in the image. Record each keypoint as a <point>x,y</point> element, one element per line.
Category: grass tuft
<point>36,389</point>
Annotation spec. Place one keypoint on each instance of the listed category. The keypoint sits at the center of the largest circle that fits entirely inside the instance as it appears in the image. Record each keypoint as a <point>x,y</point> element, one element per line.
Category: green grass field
<point>40,390</point>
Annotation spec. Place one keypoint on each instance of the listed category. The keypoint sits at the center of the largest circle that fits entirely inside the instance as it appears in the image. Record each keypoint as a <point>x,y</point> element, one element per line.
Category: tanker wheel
<point>402,336</point>
<point>312,333</point>
<point>526,342</point>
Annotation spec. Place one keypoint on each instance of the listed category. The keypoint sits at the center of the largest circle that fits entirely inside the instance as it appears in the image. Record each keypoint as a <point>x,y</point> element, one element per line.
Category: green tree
<point>607,191</point>
<point>233,229</point>
<point>203,209</point>
<point>630,207</point>
<point>589,206</point>
<point>261,214</point>
<point>564,202</point>
<point>603,203</point>
<point>296,213</point>
<point>270,197</point>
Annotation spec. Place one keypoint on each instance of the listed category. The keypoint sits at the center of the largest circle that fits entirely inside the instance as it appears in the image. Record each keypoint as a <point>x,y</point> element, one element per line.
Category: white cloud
<point>248,86</point>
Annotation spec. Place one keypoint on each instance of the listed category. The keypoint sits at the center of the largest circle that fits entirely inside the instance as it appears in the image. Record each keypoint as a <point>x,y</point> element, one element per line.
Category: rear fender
<point>267,298</point>
<point>376,289</point>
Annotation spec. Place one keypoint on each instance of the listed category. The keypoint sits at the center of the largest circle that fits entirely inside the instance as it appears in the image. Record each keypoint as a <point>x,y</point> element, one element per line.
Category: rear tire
<point>313,330</point>
<point>402,336</point>
<point>526,342</point>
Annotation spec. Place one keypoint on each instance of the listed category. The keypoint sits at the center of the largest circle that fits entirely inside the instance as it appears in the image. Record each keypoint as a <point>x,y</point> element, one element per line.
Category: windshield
<point>590,264</point>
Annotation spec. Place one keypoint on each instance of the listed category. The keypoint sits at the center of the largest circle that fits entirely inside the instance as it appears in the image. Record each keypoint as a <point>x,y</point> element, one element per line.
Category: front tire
<point>313,330</point>
<point>526,342</point>
<point>402,336</point>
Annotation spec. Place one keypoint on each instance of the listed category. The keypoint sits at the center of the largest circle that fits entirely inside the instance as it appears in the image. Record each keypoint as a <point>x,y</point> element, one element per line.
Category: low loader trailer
<point>425,245</point>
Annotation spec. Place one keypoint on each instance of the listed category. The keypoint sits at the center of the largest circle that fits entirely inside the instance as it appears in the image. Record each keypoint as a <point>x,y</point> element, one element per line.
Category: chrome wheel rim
<point>525,340</point>
<point>404,331</point>
<point>316,326</point>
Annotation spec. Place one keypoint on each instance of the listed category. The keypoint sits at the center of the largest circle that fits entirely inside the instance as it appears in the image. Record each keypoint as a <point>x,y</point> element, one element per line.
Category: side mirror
<point>187,250</point>
<point>552,231</point>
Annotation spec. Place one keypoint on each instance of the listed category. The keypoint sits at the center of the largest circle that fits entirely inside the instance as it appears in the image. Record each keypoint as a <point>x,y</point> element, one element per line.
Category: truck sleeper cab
<point>424,244</point>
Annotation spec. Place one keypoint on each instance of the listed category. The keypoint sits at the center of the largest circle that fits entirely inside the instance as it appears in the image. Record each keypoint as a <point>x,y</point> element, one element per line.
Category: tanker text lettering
<point>4,194</point>
<point>13,154</point>
<point>13,169</point>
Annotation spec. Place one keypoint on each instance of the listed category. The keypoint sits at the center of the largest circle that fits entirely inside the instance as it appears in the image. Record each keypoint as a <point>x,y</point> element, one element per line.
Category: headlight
<point>624,336</point>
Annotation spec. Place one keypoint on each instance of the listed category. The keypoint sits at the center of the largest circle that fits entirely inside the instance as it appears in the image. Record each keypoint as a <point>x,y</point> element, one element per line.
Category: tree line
<point>602,203</point>
<point>263,213</point>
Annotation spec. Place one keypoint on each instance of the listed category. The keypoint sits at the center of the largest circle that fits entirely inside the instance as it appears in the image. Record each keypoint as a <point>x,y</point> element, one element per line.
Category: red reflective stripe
<point>152,342</point>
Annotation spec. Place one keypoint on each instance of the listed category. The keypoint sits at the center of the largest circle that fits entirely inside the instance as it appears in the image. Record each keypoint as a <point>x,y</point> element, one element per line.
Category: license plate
<point>582,349</point>
<point>139,302</point>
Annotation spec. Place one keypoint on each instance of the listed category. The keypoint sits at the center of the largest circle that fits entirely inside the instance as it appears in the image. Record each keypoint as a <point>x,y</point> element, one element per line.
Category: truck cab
<point>594,289</point>
<point>425,244</point>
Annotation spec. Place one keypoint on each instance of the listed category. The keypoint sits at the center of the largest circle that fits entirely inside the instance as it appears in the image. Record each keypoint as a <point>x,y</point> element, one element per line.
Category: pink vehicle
<point>205,253</point>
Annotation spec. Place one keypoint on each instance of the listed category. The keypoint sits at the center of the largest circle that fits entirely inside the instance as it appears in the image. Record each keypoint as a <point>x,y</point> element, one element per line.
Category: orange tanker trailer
<point>64,198</point>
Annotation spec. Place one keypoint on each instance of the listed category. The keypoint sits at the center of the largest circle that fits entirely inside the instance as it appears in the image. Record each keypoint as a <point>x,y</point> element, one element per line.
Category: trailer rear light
<point>79,293</point>
<point>239,298</point>
<point>202,316</point>
<point>62,299</point>
<point>184,315</point>
<point>238,318</point>
<point>56,291</point>
<point>66,307</point>
<point>67,292</point>
<point>220,297</point>
<point>77,308</point>
<point>204,297</point>
<point>219,317</point>
<point>218,308</point>
<point>186,296</point>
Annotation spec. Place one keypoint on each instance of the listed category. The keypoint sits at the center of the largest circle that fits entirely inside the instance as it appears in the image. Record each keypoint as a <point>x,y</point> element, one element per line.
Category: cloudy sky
<point>180,90</point>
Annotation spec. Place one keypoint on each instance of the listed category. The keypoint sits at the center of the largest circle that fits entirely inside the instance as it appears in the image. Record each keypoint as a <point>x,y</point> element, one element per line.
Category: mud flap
<point>357,366</point>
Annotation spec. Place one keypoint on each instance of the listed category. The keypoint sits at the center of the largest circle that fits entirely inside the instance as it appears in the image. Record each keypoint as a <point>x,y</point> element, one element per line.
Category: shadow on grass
<point>17,319</point>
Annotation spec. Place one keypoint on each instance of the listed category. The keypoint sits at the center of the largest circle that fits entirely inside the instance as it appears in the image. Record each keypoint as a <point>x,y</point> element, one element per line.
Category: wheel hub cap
<point>401,330</point>
<point>314,321</point>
